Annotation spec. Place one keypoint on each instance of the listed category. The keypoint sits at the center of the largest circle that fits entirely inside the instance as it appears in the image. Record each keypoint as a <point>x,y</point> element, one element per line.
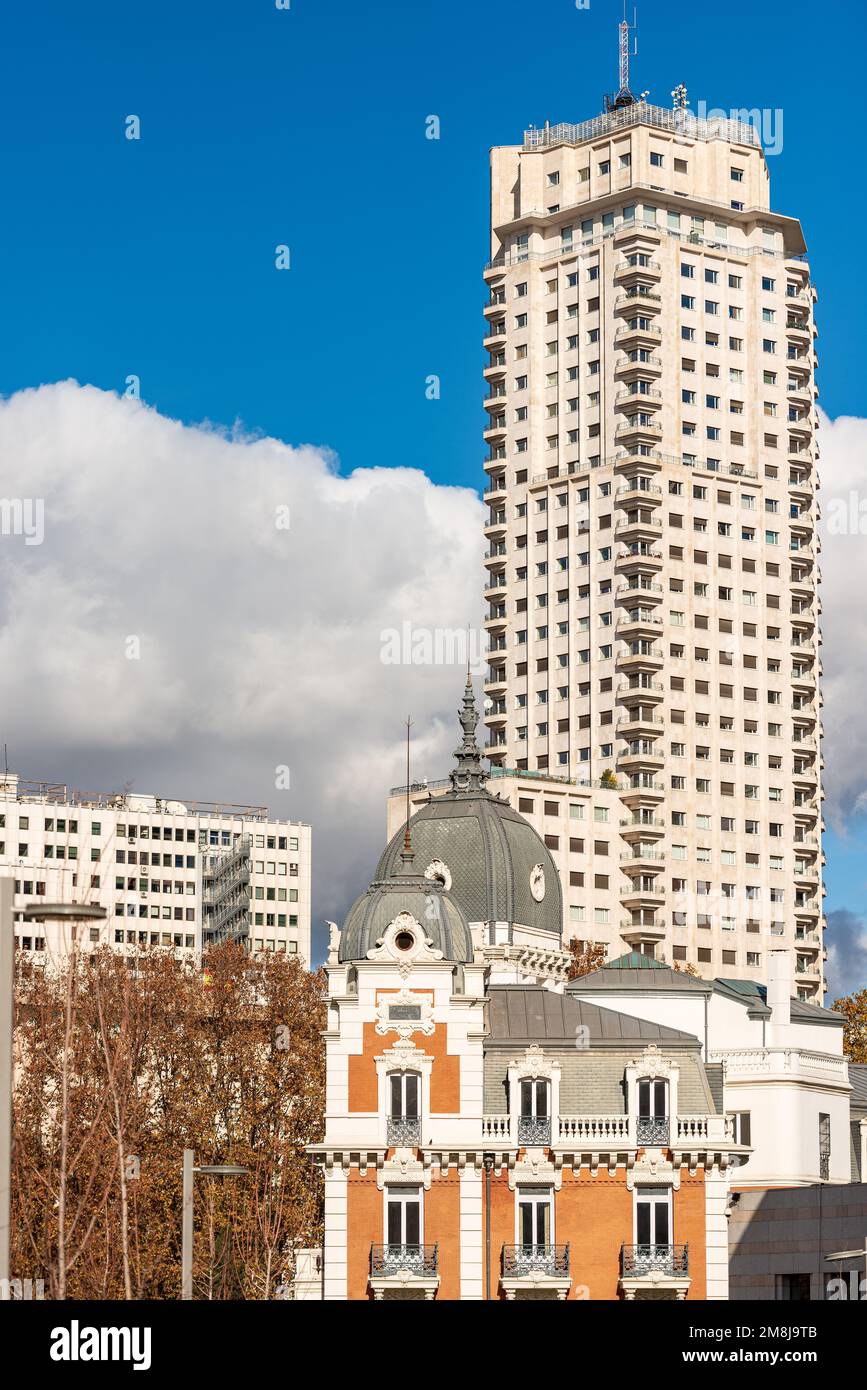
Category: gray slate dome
<point>444,924</point>
<point>488,849</point>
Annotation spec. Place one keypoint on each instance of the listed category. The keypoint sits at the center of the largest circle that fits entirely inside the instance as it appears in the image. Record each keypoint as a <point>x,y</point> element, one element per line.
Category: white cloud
<point>259,646</point>
<point>843,497</point>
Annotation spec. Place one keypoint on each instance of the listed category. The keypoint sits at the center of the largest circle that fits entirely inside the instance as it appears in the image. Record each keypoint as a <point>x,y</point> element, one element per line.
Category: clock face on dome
<point>537,882</point>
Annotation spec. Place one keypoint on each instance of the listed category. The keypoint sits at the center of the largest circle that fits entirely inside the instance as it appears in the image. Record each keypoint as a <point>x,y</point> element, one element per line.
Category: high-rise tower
<point>652,566</point>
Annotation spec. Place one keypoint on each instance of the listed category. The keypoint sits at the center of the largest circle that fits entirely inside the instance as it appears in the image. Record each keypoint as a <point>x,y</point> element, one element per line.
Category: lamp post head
<point>64,912</point>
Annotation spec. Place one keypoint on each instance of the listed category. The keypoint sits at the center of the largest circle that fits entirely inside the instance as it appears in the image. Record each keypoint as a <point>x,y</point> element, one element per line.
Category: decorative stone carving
<point>391,1006</point>
<point>333,942</point>
<point>404,941</point>
<point>653,1169</point>
<point>439,872</point>
<point>652,1063</point>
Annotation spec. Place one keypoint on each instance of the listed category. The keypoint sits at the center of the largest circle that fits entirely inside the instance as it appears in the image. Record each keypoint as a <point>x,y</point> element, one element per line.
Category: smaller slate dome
<point>443,922</point>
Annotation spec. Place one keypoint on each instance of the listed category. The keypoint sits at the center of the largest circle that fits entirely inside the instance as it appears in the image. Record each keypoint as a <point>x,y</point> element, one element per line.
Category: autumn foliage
<point>587,956</point>
<point>118,1070</point>
<point>854,1009</point>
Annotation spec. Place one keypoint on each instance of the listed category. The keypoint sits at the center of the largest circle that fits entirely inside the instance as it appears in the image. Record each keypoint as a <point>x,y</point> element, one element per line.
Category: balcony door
<point>652,1111</point>
<point>403,1216</point>
<point>534,1120</point>
<point>404,1123</point>
<point>653,1218</point>
<point>534,1219</point>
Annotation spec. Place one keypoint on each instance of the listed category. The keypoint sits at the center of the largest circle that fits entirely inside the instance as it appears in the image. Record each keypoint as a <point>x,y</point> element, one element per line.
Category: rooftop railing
<point>679,122</point>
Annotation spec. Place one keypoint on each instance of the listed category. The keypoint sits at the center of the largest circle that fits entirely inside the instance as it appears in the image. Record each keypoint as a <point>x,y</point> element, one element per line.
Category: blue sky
<point>307,127</point>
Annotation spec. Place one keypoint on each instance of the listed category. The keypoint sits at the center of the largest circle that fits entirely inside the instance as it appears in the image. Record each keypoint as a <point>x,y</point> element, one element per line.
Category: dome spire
<point>407,854</point>
<point>469,775</point>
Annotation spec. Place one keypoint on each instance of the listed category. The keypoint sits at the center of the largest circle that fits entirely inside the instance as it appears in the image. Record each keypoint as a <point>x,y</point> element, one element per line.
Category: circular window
<point>404,940</point>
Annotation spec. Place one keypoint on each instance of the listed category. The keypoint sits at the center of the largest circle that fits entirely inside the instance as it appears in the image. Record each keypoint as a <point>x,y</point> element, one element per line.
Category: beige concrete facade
<point>652,568</point>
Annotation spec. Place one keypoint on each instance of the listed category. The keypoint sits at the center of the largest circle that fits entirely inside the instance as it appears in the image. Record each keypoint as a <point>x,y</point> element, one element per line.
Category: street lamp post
<point>217,1170</point>
<point>852,1255</point>
<point>35,912</point>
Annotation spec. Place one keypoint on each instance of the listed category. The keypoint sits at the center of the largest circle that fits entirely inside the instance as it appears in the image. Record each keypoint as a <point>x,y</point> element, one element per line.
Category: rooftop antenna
<point>680,97</point>
<point>627,49</point>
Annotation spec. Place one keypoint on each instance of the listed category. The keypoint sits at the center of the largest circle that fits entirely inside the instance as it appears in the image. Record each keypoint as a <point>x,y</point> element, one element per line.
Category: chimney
<point>780,987</point>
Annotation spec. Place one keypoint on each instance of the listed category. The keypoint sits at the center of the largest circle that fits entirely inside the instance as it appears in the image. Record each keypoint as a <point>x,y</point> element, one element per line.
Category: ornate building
<point>490,1133</point>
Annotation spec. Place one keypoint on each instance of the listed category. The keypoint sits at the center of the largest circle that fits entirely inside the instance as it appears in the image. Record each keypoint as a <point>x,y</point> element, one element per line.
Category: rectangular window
<point>653,1217</point>
<point>403,1216</point>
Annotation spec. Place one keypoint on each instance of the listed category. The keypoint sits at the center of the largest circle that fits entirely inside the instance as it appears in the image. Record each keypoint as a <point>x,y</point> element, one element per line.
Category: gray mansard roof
<point>428,903</point>
<point>592,1077</point>
<point>643,974</point>
<point>525,1014</point>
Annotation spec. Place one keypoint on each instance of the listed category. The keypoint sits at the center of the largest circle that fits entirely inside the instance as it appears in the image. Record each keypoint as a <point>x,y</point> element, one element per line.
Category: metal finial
<point>407,854</point>
<point>469,775</point>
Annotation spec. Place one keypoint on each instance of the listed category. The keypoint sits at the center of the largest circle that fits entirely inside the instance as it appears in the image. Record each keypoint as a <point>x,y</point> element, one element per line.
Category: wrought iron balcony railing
<point>637,1260</point>
<point>404,1131</point>
<point>521,1260</point>
<point>653,1129</point>
<point>534,1129</point>
<point>388,1260</point>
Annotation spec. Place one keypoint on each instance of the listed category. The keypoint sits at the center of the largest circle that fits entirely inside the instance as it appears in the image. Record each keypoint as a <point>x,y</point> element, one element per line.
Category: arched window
<point>653,1110</point>
<point>534,1118</point>
<point>404,1108</point>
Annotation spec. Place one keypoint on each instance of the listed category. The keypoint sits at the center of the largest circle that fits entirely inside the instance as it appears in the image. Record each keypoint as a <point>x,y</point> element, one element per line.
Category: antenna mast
<point>624,96</point>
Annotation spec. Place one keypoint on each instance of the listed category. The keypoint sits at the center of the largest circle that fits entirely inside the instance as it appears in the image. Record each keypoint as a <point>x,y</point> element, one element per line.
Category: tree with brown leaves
<point>118,1070</point>
<point>587,956</point>
<point>854,1009</point>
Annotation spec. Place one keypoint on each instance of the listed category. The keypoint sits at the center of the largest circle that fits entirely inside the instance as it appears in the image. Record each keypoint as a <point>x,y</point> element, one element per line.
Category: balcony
<point>638,301</point>
<point>535,1271</point>
<point>633,527</point>
<point>404,1131</point>
<point>653,1130</point>
<point>654,1271</point>
<point>650,398</point>
<point>646,592</point>
<point>627,270</point>
<point>628,368</point>
<point>637,933</point>
<point>642,654</point>
<point>643,788</point>
<point>638,723</point>
<point>637,624</point>
<point>404,1271</point>
<point>634,429</point>
<point>636,490</point>
<point>640,688</point>
<point>629,336</point>
<point>642,825</point>
<point>637,559</point>
<point>534,1130</point>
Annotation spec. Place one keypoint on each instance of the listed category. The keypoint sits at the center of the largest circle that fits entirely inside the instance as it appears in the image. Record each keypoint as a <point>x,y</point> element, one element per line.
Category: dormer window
<point>404,1115</point>
<point>653,1110</point>
<point>534,1120</point>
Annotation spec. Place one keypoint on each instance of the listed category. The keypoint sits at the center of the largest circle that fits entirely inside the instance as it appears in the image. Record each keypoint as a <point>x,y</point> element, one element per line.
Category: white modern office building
<point>168,873</point>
